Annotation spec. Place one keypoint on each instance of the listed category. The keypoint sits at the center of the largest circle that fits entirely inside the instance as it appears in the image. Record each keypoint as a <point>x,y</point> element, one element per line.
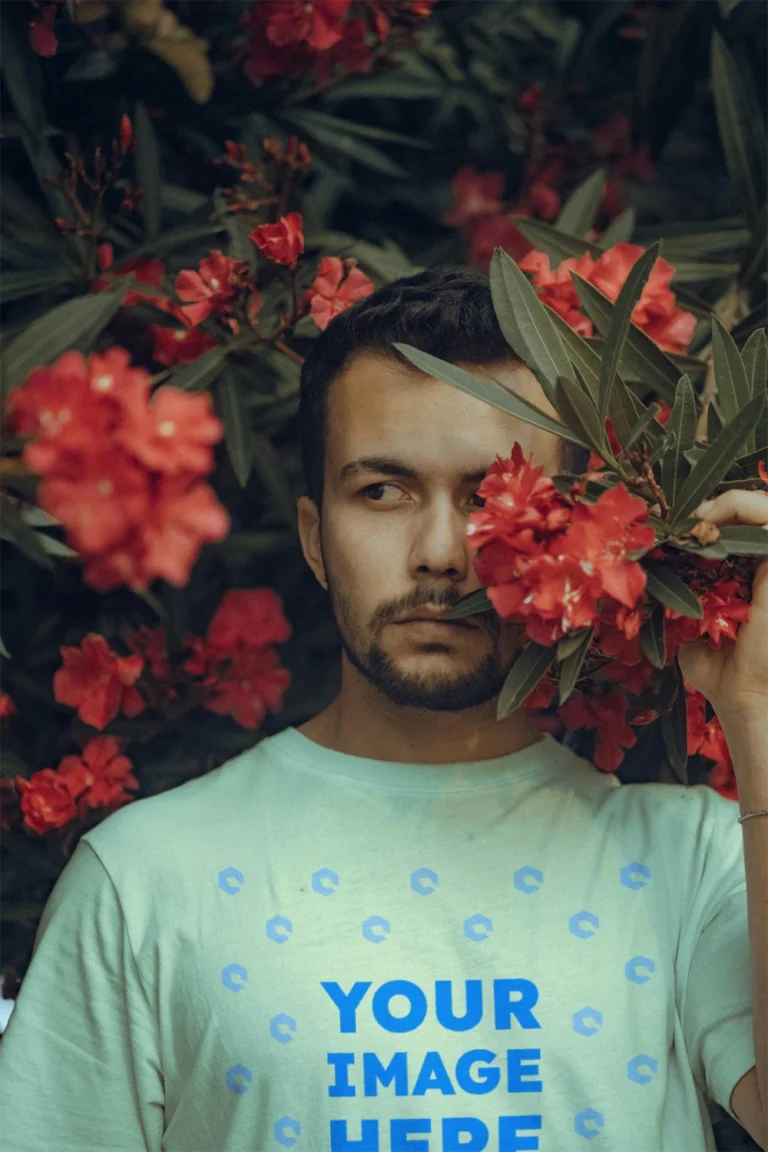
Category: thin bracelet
<point>746,816</point>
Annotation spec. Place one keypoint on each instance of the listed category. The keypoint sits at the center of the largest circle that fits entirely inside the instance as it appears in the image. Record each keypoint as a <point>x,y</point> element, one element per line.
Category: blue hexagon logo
<point>325,874</point>
<point>638,1062</point>
<point>279,929</point>
<point>581,1018</point>
<point>282,1028</point>
<point>226,878</point>
<point>588,1123</point>
<point>376,929</point>
<point>424,881</point>
<point>630,872</point>
<point>287,1122</point>
<point>238,1078</point>
<point>234,977</point>
<point>576,921</point>
<point>476,922</point>
<point>522,877</point>
<point>639,962</point>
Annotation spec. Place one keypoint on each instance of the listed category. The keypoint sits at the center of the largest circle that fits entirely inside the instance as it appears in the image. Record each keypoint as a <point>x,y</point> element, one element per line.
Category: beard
<point>449,691</point>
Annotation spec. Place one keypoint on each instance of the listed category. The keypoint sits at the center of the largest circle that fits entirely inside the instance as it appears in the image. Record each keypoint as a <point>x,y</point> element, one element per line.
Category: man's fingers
<point>737,506</point>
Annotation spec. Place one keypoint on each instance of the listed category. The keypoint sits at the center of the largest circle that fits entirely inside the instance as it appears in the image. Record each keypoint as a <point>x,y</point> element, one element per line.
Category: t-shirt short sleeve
<point>715,977</point>
<point>79,1066</point>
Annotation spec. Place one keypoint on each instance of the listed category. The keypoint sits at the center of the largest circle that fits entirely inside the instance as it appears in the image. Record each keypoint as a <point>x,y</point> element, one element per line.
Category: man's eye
<point>372,487</point>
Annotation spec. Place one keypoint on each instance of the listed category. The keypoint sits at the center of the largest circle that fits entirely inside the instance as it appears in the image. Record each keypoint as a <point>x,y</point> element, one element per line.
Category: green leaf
<point>572,665</point>
<point>523,677</point>
<point>470,605</point>
<point>754,357</point>
<point>620,230</point>
<point>750,462</point>
<point>674,724</point>
<point>714,425</point>
<point>727,7</point>
<point>347,145</point>
<point>742,130</point>
<point>579,211</point>
<point>197,375</point>
<point>570,642</point>
<point>236,430</point>
<point>643,424</point>
<point>691,271</point>
<point>581,354</point>
<point>665,586</point>
<point>682,423</point>
<point>576,407</point>
<point>16,531</point>
<point>744,539</point>
<point>641,354</point>
<point>148,171</point>
<point>526,324</point>
<point>733,387</point>
<point>717,460</point>
<point>340,124</point>
<point>22,71</point>
<point>652,637</point>
<point>74,324</point>
<point>487,391</point>
<point>555,244</point>
<point>628,297</point>
<point>18,285</point>
<point>267,462</point>
<point>753,264</point>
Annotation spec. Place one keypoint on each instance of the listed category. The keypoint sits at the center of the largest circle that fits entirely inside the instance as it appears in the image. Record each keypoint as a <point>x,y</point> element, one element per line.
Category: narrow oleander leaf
<point>742,129</point>
<point>523,677</point>
<point>570,642</point>
<point>665,586</point>
<point>733,387</point>
<point>716,460</point>
<point>236,427</point>
<point>666,444</point>
<point>470,605</point>
<point>200,373</point>
<point>487,390</point>
<point>652,637</point>
<point>554,243</point>
<point>267,462</point>
<point>581,354</point>
<point>753,264</point>
<point>621,315</point>
<point>749,463</point>
<point>754,357</point>
<point>576,407</point>
<point>148,172</point>
<point>674,724</point>
<point>14,529</point>
<point>74,324</point>
<point>642,425</point>
<point>714,424</point>
<point>578,213</point>
<point>640,354</point>
<point>526,324</point>
<point>744,539</point>
<point>682,424</point>
<point>572,664</point>
<point>620,230</point>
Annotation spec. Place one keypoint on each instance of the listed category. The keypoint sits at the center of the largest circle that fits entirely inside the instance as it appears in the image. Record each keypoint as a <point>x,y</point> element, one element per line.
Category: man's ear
<point>308,522</point>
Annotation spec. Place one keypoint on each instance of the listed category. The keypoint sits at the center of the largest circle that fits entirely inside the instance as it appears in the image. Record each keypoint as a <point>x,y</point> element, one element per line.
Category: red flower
<point>179,345</point>
<point>173,433</point>
<point>282,242</point>
<point>41,34</point>
<point>98,777</point>
<point>146,270</point>
<point>329,296</point>
<point>7,706</point>
<point>126,133</point>
<point>98,682</point>
<point>211,289</point>
<point>352,53</point>
<point>557,286</point>
<point>532,98</point>
<point>725,604</point>
<point>523,508</point>
<point>98,498</point>
<point>607,715</point>
<point>252,683</point>
<point>249,617</point>
<point>317,23</point>
<point>544,201</point>
<point>46,801</point>
<point>706,738</point>
<point>491,232</point>
<point>151,645</point>
<point>762,471</point>
<point>475,194</point>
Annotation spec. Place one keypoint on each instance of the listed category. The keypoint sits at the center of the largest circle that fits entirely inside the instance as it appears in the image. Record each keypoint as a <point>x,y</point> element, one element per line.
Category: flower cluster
<point>488,222</point>
<point>655,312</point>
<point>121,468</point>
<point>558,565</point>
<point>292,37</point>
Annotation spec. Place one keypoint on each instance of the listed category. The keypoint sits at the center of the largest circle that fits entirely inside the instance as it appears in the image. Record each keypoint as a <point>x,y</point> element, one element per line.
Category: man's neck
<point>361,722</point>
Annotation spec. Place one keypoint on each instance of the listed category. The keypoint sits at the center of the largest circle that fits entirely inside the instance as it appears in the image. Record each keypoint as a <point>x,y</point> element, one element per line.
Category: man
<point>403,924</point>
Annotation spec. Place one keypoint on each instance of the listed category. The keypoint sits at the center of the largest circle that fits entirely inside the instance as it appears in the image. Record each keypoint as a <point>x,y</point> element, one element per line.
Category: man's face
<point>391,541</point>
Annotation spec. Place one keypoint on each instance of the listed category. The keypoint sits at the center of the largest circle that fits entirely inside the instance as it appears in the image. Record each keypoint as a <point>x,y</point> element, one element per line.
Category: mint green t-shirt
<point>305,949</point>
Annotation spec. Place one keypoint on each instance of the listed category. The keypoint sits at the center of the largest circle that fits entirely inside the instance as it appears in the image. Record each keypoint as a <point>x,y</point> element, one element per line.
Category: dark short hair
<point>446,311</point>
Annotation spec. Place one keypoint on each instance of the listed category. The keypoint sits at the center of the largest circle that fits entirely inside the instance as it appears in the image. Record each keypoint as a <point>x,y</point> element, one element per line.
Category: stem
<point>289,352</point>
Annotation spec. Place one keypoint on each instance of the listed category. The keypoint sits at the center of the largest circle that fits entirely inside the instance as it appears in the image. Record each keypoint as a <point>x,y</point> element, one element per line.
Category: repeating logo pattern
<point>424,881</point>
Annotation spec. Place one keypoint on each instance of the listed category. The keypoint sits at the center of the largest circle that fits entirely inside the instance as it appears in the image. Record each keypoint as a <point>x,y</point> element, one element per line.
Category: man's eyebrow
<point>391,466</point>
